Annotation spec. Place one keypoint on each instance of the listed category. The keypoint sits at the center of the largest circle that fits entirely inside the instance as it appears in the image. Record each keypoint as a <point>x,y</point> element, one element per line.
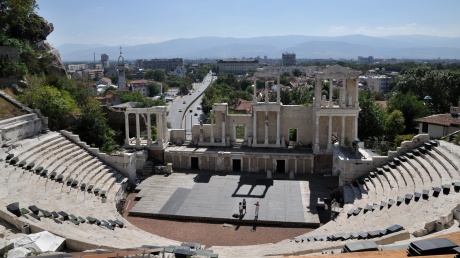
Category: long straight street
<point>183,109</point>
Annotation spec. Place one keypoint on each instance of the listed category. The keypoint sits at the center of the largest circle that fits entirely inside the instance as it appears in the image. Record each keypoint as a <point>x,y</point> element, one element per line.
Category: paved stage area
<point>216,197</point>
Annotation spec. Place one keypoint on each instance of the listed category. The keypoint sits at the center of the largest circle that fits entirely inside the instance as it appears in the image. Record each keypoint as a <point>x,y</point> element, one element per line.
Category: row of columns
<point>329,131</point>
<point>223,127</point>
<point>343,101</point>
<point>278,91</point>
<point>161,129</point>
<point>278,125</point>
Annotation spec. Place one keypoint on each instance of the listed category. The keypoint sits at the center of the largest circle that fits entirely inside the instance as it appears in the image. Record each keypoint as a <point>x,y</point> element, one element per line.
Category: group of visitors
<point>242,207</point>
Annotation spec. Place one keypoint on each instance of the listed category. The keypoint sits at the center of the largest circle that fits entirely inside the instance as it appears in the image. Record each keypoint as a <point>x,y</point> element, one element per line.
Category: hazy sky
<point>133,22</point>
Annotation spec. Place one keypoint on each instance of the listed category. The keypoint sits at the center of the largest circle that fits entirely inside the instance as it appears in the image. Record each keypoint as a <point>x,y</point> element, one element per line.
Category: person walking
<point>244,205</point>
<point>241,209</point>
<point>257,209</point>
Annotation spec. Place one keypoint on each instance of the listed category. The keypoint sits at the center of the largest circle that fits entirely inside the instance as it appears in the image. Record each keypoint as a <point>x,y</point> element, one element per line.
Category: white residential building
<point>377,83</point>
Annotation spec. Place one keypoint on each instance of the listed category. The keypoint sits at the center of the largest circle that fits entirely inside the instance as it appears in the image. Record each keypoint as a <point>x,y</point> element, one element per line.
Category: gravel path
<point>211,234</point>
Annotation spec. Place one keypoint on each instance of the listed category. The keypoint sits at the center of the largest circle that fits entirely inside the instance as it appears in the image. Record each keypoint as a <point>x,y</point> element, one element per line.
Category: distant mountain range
<point>310,47</point>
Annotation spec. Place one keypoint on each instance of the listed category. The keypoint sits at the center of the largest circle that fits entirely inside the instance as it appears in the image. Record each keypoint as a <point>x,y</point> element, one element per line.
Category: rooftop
<point>441,119</point>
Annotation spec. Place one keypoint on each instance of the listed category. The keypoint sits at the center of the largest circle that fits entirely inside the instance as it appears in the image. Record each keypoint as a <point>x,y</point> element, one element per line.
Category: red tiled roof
<point>139,82</point>
<point>442,119</point>
<point>105,79</point>
<point>242,105</point>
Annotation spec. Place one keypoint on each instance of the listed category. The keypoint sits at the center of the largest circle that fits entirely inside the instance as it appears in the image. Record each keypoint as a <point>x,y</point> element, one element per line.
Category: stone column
<point>342,135</point>
<point>254,127</point>
<point>278,128</point>
<point>160,130</point>
<point>127,128</point>
<point>316,147</point>
<point>317,93</point>
<point>278,92</point>
<point>295,165</point>
<point>331,104</point>
<point>212,126</point>
<point>149,130</point>
<point>201,131</point>
<point>266,92</point>
<point>164,124</point>
<point>266,128</point>
<point>255,90</point>
<point>329,134</point>
<point>356,105</point>
<point>223,128</point>
<point>249,164</point>
<point>138,131</point>
<point>356,128</point>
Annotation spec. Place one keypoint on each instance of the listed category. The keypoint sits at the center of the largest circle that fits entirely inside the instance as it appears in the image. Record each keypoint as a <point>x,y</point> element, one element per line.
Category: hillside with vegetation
<point>43,85</point>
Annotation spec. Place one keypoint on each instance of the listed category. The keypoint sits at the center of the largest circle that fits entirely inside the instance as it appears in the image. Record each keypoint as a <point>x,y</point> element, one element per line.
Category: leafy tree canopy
<point>92,127</point>
<point>410,107</point>
<point>443,86</point>
<point>371,119</point>
<point>52,103</point>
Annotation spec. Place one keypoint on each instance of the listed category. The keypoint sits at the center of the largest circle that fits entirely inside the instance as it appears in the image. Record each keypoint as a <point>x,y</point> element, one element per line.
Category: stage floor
<point>210,197</point>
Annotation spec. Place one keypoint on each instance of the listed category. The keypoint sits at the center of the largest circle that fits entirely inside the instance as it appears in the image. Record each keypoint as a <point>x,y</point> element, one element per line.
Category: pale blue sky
<point>133,22</point>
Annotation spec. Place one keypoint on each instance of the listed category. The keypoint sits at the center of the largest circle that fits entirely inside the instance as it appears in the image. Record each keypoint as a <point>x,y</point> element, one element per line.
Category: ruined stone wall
<point>300,118</point>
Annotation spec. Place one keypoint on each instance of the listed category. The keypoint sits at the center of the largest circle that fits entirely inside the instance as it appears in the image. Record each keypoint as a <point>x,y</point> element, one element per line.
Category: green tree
<point>394,124</point>
<point>114,79</point>
<point>296,73</point>
<point>143,102</point>
<point>159,75</point>
<point>92,127</point>
<point>154,89</point>
<point>148,75</point>
<point>371,120</point>
<point>441,85</point>
<point>54,104</point>
<point>411,108</point>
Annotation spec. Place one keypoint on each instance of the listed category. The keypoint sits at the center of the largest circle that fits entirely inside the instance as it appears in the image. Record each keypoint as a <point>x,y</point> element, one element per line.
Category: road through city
<point>184,108</point>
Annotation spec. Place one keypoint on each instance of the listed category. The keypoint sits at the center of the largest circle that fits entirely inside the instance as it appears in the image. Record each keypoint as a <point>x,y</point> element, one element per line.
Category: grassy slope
<point>8,110</point>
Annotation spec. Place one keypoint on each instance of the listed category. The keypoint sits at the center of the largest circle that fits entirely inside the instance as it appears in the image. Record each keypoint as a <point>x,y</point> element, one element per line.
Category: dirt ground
<point>211,234</point>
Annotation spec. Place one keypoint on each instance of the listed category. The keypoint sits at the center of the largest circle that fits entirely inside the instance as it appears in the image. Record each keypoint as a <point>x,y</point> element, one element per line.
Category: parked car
<point>184,102</point>
<point>180,110</point>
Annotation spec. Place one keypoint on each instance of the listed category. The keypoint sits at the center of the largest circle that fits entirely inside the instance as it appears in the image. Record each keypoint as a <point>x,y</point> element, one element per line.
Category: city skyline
<point>118,23</point>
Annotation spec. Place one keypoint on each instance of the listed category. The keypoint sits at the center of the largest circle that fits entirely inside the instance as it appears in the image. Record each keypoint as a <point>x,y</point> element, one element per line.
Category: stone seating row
<point>6,122</point>
<point>88,229</point>
<point>405,204</point>
<point>408,179</point>
<point>39,213</point>
<point>450,153</point>
<point>19,127</point>
<point>413,216</point>
<point>68,202</point>
<point>346,236</point>
<point>102,183</point>
<point>26,144</point>
<point>65,169</point>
